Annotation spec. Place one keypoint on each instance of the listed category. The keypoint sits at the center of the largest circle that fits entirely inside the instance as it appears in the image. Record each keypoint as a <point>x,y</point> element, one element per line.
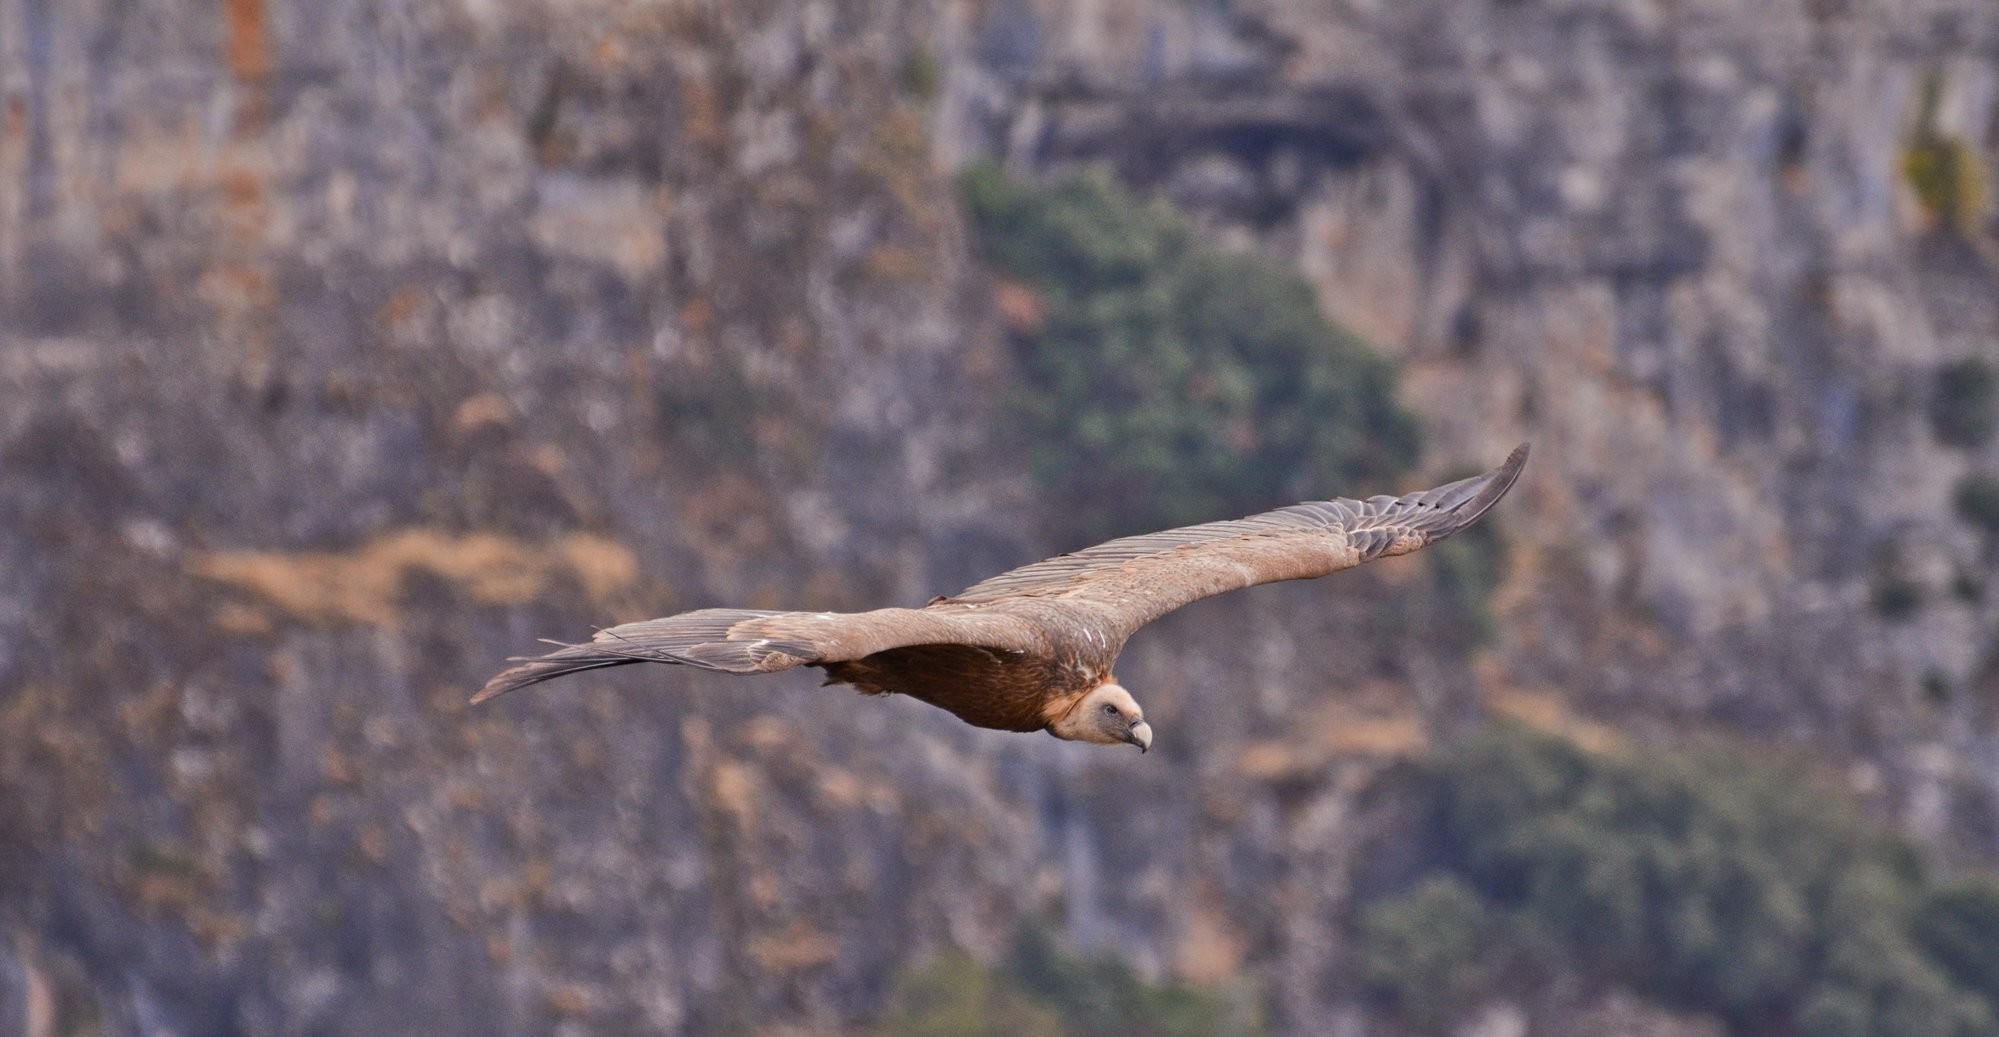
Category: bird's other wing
<point>1130,582</point>
<point>749,641</point>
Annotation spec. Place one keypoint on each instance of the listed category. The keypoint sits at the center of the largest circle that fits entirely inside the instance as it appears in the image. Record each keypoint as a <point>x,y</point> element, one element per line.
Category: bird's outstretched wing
<point>749,641</point>
<point>1106,591</point>
<point>1124,584</point>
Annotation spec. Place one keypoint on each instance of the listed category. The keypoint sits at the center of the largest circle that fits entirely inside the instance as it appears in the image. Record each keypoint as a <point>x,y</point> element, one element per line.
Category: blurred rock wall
<point>346,347</point>
<point>1690,249</point>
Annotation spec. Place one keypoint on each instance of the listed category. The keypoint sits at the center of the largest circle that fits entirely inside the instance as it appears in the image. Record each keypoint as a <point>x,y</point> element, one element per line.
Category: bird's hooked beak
<point>1140,735</point>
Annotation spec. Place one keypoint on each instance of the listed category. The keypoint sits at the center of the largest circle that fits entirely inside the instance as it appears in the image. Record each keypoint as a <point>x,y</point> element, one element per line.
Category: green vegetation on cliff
<point>1977,501</point>
<point>1429,952</point>
<point>1964,408</point>
<point>1948,177</point>
<point>1944,170</point>
<point>1165,380</point>
<point>1701,879</point>
<point>1040,990</point>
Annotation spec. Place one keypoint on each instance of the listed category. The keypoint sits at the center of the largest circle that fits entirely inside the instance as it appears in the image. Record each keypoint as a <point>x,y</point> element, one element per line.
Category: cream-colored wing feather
<point>1087,601</point>
<point>749,641</point>
<point>1127,583</point>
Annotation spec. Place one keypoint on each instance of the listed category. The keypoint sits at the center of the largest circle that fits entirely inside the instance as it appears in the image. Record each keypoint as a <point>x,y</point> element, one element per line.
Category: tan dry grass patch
<point>365,584</point>
<point>1376,721</point>
<point>1542,709</point>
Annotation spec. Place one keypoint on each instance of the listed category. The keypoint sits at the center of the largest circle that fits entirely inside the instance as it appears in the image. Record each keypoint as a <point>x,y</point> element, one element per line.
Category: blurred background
<point>347,346</point>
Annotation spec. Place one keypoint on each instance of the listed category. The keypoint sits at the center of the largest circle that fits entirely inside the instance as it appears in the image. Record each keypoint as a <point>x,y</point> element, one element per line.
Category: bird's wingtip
<point>1482,492</point>
<point>494,688</point>
<point>1501,478</point>
<point>526,671</point>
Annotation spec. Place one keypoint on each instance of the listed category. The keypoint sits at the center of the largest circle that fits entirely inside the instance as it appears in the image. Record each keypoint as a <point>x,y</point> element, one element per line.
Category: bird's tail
<point>728,640</point>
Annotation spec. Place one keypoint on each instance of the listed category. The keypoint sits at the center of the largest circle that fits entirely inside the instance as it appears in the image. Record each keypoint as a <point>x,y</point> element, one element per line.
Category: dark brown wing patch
<point>984,687</point>
<point>750,641</point>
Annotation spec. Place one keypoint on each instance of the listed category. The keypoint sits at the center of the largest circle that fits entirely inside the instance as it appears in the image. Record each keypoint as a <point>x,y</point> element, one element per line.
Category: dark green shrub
<point>1964,403</point>
<point>1869,961</point>
<point>1429,953</point>
<point>1977,500</point>
<point>952,996</point>
<point>1958,924</point>
<point>1655,871</point>
<point>922,77</point>
<point>1895,595</point>
<point>1945,170</point>
<point>1711,882</point>
<point>1100,996</point>
<point>1948,177</point>
<point>1166,381</point>
<point>1041,990</point>
<point>708,412</point>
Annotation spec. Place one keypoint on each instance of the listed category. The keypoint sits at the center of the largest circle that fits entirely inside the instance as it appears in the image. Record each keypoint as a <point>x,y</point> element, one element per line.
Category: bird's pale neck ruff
<point>1103,715</point>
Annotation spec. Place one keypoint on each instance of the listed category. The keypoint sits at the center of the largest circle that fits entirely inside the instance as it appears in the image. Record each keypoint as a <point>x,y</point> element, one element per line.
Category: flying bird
<point>1032,649</point>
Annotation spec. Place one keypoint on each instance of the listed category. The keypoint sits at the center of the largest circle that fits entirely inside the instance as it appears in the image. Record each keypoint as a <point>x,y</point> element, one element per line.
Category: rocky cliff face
<point>348,347</point>
<point>1702,256</point>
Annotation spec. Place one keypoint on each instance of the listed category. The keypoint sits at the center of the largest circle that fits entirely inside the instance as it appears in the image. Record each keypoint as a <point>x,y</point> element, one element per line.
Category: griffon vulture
<point>1031,649</point>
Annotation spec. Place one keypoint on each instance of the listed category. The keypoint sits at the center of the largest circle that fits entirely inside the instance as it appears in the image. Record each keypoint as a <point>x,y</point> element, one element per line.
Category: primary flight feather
<point>1031,649</point>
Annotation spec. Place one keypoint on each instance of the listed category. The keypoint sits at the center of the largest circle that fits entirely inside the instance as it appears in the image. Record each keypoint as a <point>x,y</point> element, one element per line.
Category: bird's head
<point>1108,715</point>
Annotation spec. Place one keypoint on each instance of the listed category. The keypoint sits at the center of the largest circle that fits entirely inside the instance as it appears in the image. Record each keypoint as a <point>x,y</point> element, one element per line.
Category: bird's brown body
<point>993,688</point>
<point>1032,649</point>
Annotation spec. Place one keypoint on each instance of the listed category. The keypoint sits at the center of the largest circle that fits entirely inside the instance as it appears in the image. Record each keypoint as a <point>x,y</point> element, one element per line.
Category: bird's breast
<point>990,688</point>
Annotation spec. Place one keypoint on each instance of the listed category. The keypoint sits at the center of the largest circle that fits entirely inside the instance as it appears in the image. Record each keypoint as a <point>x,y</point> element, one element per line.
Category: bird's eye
<point>1110,710</point>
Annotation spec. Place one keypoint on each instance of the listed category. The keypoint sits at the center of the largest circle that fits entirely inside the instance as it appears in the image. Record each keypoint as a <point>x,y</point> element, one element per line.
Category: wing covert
<point>752,641</point>
<point>1135,580</point>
